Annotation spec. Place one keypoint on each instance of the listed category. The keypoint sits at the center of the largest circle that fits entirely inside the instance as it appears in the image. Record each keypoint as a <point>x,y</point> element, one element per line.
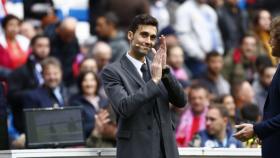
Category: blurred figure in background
<point>15,47</point>
<point>216,134</point>
<point>107,30</point>
<point>102,53</point>
<point>27,77</point>
<point>65,47</point>
<point>261,23</point>
<point>175,59</point>
<point>52,93</point>
<point>94,106</point>
<point>240,64</point>
<point>262,82</point>
<point>193,119</point>
<point>228,101</point>
<point>27,30</point>
<point>212,78</point>
<point>197,28</point>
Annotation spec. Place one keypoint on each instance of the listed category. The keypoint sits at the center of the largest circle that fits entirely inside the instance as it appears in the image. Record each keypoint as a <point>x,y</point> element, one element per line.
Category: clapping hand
<point>159,61</point>
<point>245,132</point>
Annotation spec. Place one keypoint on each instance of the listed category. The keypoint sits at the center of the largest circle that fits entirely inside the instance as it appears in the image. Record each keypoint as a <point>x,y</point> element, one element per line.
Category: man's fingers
<point>240,126</point>
<point>154,51</point>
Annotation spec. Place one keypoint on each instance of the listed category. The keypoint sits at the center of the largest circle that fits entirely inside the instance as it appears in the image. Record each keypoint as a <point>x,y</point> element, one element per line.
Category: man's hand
<point>156,66</point>
<point>101,119</point>
<point>246,132</point>
<point>162,50</point>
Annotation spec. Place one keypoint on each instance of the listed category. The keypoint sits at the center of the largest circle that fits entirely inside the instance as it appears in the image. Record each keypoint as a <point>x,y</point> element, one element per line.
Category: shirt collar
<point>138,64</point>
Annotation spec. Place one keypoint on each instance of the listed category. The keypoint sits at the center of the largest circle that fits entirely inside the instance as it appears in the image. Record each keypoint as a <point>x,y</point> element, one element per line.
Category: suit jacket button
<point>149,127</point>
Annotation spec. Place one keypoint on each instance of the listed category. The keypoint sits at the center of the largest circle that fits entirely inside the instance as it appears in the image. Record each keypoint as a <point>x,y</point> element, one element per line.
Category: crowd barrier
<point>111,153</point>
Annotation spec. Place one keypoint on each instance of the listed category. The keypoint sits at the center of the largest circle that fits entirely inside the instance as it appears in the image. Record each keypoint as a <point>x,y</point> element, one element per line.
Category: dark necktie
<point>145,72</point>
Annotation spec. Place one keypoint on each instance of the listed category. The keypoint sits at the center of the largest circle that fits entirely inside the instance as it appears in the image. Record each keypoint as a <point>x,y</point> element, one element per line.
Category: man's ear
<point>130,35</point>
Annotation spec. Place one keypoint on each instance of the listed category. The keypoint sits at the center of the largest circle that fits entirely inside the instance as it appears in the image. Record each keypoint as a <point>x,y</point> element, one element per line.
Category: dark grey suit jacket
<point>133,101</point>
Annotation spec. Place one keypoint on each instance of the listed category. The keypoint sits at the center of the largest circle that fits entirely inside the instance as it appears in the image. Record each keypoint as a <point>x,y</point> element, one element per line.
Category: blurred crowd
<point>218,50</point>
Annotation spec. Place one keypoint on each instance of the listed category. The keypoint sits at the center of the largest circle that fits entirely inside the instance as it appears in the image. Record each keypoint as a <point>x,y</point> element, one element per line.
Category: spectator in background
<point>175,59</point>
<point>197,28</point>
<point>107,31</point>
<point>158,9</point>
<point>261,23</point>
<point>233,23</point>
<point>87,64</point>
<point>240,64</point>
<point>27,30</point>
<point>243,94</point>
<point>212,78</point>
<point>262,83</point>
<point>216,134</point>
<point>193,119</point>
<point>52,93</point>
<point>65,47</point>
<point>27,77</point>
<point>102,53</point>
<point>228,101</point>
<point>170,36</point>
<point>15,47</point>
<point>93,105</point>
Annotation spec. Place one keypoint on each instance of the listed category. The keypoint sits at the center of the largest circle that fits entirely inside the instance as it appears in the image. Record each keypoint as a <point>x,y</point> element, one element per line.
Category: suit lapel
<point>128,66</point>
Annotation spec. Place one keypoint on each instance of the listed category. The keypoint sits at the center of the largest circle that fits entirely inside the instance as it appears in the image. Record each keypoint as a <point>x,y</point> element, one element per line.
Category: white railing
<point>111,152</point>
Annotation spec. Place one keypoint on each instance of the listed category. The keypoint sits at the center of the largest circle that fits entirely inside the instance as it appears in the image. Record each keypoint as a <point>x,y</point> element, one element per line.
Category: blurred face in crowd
<point>198,100</point>
<point>41,48</point>
<point>228,102</point>
<point>88,65</point>
<point>103,28</point>
<point>142,40</point>
<point>215,122</point>
<point>175,57</point>
<point>267,75</point>
<point>89,84</point>
<point>232,2</point>
<point>52,75</point>
<point>264,20</point>
<point>248,46</point>
<point>102,54</point>
<point>12,28</point>
<point>66,29</point>
<point>246,93</point>
<point>27,30</point>
<point>215,64</point>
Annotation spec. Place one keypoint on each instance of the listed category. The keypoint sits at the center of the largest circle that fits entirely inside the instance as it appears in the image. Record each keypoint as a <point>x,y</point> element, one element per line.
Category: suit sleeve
<point>267,127</point>
<point>176,93</point>
<point>123,103</point>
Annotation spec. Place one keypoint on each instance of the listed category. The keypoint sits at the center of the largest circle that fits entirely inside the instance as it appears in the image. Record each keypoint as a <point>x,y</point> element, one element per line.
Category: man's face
<point>143,39</point>
<point>198,100</point>
<point>215,64</point>
<point>102,28</point>
<point>249,47</point>
<point>102,60</point>
<point>52,76</point>
<point>215,123</point>
<point>41,48</point>
<point>176,57</point>
<point>267,76</point>
<point>246,93</point>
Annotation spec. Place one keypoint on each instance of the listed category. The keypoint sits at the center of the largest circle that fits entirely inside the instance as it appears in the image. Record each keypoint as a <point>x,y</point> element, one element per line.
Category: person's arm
<point>267,127</point>
<point>176,93</point>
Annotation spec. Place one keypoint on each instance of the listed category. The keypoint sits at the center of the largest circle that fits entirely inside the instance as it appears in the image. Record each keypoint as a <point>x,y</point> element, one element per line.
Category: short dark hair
<point>111,18</point>
<point>142,19</point>
<point>250,113</point>
<point>212,54</point>
<point>221,108</point>
<point>8,18</point>
<point>81,78</point>
<point>36,37</point>
<point>51,61</point>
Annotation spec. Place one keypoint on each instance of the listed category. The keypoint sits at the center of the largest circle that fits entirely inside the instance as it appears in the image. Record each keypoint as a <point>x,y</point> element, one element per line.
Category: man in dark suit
<point>27,77</point>
<point>140,92</point>
<point>268,130</point>
<point>51,93</point>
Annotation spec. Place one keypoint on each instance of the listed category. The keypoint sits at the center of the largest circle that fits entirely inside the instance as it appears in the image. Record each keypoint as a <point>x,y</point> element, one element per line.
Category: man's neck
<point>213,77</point>
<point>135,56</point>
<point>221,136</point>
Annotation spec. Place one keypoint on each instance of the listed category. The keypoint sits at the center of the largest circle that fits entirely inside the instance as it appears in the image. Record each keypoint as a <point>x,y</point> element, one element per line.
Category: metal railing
<point>111,153</point>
